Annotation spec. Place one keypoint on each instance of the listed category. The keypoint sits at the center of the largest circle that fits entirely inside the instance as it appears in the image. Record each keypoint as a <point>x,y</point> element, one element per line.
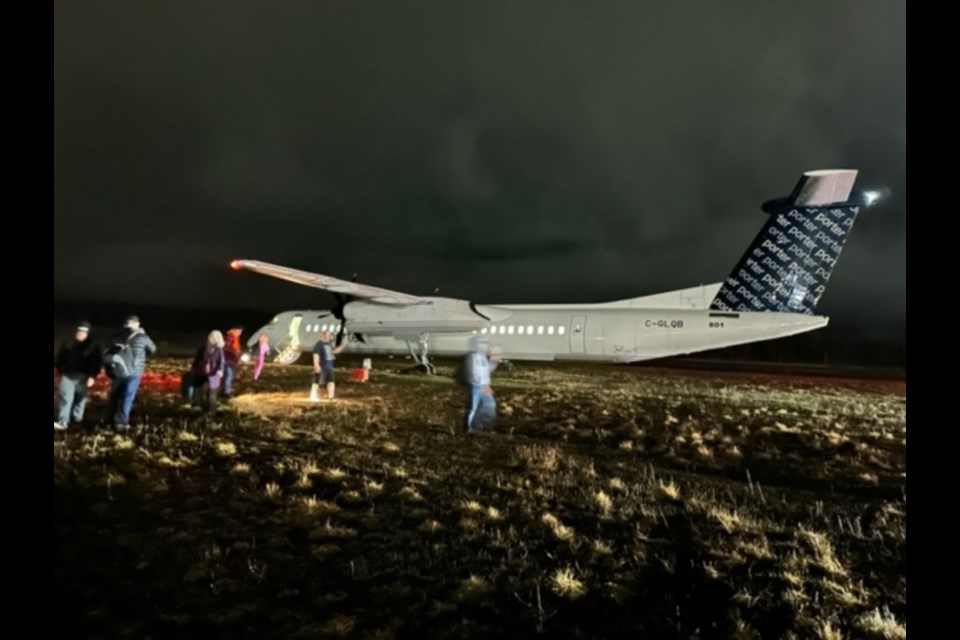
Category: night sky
<point>514,152</point>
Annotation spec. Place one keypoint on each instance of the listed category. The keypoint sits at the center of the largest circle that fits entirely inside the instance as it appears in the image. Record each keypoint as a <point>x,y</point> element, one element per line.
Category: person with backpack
<point>78,364</point>
<point>474,374</point>
<point>124,362</point>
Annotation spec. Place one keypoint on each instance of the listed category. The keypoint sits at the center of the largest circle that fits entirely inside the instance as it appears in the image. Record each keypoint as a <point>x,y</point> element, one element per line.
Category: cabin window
<point>549,331</point>
<point>503,329</point>
<point>540,330</point>
<point>562,330</point>
<point>510,329</point>
<point>484,330</point>
<point>520,330</point>
<point>530,329</point>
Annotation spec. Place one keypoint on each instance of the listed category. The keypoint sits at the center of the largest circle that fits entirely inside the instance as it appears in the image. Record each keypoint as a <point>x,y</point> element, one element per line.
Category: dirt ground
<point>610,502</point>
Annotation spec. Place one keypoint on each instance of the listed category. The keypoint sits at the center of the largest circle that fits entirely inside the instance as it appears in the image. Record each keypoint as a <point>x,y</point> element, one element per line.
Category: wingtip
<point>236,265</point>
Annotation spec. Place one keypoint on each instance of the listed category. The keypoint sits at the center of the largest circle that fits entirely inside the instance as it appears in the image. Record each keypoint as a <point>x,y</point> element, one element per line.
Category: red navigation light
<point>236,265</point>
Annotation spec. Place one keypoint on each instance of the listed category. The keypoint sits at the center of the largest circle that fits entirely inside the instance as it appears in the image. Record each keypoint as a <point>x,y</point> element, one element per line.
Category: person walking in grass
<point>206,373</point>
<point>231,354</point>
<point>125,361</point>
<point>262,348</point>
<point>479,363</point>
<point>78,363</point>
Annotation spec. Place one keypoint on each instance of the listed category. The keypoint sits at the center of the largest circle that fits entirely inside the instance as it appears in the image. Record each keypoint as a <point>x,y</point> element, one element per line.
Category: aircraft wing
<point>335,285</point>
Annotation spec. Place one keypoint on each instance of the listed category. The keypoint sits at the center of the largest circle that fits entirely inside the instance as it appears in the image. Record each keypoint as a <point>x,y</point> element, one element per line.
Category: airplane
<point>772,292</point>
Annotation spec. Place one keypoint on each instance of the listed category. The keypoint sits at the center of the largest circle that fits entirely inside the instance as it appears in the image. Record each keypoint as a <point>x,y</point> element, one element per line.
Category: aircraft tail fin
<point>788,265</point>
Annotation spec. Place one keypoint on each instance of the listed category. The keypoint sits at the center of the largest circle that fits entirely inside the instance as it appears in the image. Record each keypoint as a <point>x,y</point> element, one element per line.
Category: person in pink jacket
<point>263,346</point>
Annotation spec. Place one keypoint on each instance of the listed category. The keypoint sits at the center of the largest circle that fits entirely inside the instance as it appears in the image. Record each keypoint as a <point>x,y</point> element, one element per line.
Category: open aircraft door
<point>288,349</point>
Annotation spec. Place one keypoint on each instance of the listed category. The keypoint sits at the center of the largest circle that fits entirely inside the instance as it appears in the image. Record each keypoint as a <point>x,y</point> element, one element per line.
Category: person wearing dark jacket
<point>206,372</point>
<point>78,364</point>
<point>124,388</point>
<point>193,379</point>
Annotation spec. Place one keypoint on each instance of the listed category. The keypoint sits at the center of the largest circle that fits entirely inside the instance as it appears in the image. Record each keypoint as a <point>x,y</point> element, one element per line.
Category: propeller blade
<point>342,301</point>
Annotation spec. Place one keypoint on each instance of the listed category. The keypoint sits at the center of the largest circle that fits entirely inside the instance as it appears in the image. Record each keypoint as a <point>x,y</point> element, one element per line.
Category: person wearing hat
<point>78,364</point>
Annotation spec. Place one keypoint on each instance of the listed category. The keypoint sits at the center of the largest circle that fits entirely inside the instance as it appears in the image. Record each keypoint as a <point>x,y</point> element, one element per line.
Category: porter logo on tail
<point>787,266</point>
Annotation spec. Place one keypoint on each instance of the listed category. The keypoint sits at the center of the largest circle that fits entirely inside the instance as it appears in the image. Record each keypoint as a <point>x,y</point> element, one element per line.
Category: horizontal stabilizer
<point>820,188</point>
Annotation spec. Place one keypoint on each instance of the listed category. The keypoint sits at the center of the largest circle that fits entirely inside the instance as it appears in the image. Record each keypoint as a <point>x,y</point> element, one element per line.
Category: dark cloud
<point>505,152</point>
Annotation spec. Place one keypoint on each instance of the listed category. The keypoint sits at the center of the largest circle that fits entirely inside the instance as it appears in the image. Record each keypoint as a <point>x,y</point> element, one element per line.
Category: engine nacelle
<point>439,315</point>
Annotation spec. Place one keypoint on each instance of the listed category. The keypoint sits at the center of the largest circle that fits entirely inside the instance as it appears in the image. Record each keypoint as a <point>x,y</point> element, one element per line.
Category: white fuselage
<point>659,326</point>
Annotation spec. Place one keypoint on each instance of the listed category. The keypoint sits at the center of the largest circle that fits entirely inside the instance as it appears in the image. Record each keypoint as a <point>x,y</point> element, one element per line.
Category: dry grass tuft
<point>564,582</point>
<point>226,449</point>
<point>824,557</point>
<point>669,490</point>
<point>560,531</point>
<point>882,624</point>
<point>541,457</point>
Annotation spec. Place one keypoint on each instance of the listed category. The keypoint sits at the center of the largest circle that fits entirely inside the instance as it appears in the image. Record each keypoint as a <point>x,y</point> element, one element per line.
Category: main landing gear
<point>423,363</point>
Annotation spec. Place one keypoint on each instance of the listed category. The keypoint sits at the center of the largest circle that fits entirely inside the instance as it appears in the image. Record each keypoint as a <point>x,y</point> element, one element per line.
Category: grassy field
<point>612,502</point>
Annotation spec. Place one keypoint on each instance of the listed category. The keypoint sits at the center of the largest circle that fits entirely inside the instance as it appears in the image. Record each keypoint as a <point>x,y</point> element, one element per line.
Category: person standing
<point>78,364</point>
<point>263,346</point>
<point>231,356</point>
<point>206,373</point>
<point>212,367</point>
<point>125,362</point>
<point>481,410</point>
<point>324,354</point>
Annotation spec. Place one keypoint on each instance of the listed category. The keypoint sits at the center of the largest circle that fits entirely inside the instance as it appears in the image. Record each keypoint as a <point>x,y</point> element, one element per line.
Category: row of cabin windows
<point>528,330</point>
<point>509,330</point>
<point>317,328</point>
